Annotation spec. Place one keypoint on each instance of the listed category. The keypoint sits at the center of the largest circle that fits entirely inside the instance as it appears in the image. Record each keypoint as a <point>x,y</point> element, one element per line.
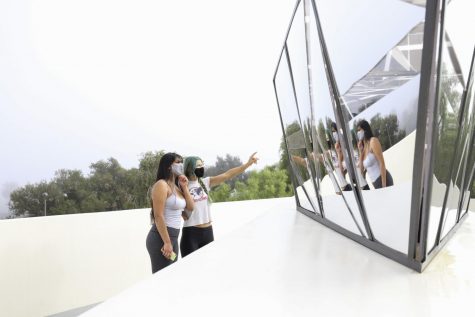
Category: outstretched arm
<point>299,160</point>
<point>216,180</point>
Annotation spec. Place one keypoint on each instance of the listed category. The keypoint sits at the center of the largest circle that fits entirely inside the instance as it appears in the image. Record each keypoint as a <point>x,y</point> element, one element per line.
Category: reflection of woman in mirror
<point>354,140</point>
<point>371,156</point>
<point>338,162</point>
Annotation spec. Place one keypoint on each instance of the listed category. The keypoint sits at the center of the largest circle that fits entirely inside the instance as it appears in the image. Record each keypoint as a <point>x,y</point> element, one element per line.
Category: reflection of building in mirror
<point>397,67</point>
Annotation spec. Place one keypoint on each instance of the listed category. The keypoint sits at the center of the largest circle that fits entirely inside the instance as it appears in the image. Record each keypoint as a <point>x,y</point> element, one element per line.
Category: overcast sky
<point>84,80</point>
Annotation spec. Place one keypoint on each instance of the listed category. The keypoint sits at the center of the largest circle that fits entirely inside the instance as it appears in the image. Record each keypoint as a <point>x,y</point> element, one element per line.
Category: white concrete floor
<point>286,264</point>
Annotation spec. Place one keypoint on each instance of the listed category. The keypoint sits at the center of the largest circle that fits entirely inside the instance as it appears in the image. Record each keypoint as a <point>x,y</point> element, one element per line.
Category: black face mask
<point>199,172</point>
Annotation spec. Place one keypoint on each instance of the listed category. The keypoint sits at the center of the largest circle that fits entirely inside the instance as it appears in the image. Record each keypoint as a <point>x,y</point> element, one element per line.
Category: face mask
<point>335,136</point>
<point>199,172</point>
<point>177,169</point>
<point>360,135</point>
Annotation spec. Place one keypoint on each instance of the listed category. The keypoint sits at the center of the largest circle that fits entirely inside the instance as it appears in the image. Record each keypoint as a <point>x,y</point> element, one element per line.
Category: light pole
<point>45,195</point>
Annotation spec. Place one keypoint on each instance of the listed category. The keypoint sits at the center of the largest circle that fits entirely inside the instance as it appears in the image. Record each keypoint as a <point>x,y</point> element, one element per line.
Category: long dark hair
<point>189,167</point>
<point>164,166</point>
<point>368,133</point>
<point>164,172</point>
<point>333,125</point>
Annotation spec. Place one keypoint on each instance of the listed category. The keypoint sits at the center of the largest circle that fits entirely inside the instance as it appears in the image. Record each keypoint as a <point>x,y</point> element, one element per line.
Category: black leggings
<point>155,244</point>
<point>378,183</point>
<point>193,238</point>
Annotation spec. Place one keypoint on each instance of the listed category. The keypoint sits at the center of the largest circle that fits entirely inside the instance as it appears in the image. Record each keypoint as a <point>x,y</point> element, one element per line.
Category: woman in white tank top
<point>197,229</point>
<point>371,157</point>
<point>169,199</point>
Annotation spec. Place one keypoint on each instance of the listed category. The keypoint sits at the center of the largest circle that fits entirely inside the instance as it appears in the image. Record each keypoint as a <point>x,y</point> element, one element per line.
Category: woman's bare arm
<point>216,180</point>
<point>159,197</point>
<point>183,182</point>
<point>378,152</point>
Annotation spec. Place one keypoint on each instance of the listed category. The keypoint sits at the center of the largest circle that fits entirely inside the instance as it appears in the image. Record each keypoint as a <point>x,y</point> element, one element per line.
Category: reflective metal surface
<point>352,154</point>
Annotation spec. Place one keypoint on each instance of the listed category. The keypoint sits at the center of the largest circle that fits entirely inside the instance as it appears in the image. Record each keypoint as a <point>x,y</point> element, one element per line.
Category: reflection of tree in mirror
<point>325,140</point>
<point>447,124</point>
<point>297,143</point>
<point>387,130</point>
<point>308,134</point>
<point>284,158</point>
<point>361,109</point>
<point>473,188</point>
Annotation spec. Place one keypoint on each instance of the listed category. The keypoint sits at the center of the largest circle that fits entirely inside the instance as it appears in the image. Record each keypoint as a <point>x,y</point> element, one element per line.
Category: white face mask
<point>335,136</point>
<point>360,135</point>
<point>177,169</point>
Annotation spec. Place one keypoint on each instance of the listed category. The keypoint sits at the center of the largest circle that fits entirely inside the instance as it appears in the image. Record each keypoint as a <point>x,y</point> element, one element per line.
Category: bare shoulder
<point>160,186</point>
<point>375,146</point>
<point>374,141</point>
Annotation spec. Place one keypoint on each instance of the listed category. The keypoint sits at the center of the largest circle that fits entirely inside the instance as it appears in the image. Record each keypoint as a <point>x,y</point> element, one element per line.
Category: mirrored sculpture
<point>378,116</point>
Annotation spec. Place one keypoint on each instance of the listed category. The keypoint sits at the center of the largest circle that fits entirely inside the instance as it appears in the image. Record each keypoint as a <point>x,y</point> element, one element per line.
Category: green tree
<point>221,193</point>
<point>387,130</point>
<point>144,177</point>
<point>222,165</point>
<point>73,186</point>
<point>271,182</point>
<point>109,183</point>
<point>109,186</point>
<point>30,200</point>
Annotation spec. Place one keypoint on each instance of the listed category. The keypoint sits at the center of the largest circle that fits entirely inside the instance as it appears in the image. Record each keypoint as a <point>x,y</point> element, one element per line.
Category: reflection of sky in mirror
<point>320,91</point>
<point>460,26</point>
<point>285,93</point>
<point>296,45</point>
<point>366,29</point>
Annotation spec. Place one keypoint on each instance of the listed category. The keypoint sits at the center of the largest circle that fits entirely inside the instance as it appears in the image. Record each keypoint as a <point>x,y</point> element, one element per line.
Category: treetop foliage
<point>109,186</point>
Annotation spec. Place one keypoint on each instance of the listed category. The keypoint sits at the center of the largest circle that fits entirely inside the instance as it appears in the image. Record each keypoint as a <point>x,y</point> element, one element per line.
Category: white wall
<point>57,263</point>
<point>52,264</point>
